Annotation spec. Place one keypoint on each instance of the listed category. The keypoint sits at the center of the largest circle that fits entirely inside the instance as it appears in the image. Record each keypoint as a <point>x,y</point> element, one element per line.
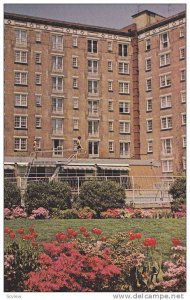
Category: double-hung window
<point>183,75</point>
<point>124,149</point>
<point>164,59</point>
<point>148,84</point>
<point>164,40</point>
<point>57,125</point>
<point>92,66</point>
<point>21,37</point>
<point>57,104</point>
<point>149,104</point>
<point>182,53</point>
<point>93,127</point>
<point>167,146</point>
<point>110,66</point>
<point>183,96</point>
<point>21,78</point>
<point>122,50</point>
<point>38,78</point>
<point>57,42</point>
<point>166,101</point>
<point>57,63</point>
<point>166,122</point>
<point>147,45</point>
<point>124,127</point>
<point>75,62</point>
<point>124,87</point>
<point>92,46</point>
<point>20,144</point>
<point>57,83</point>
<point>21,99</point>
<point>20,122</point>
<point>148,64</point>
<point>183,118</point>
<point>38,121</point>
<point>167,166</point>
<point>165,80</point>
<point>150,146</point>
<point>149,126</point>
<point>21,56</point>
<point>123,68</point>
<point>92,86</point>
<point>111,146</point>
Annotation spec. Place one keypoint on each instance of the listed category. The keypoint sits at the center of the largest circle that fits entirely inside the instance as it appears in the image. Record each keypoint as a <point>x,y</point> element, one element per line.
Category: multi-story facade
<point>122,91</point>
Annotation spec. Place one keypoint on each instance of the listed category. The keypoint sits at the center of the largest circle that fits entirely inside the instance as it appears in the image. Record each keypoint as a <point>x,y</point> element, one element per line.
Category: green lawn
<point>161,229</point>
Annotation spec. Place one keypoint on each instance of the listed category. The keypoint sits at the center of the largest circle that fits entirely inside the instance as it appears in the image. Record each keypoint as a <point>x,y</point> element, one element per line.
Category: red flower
<point>138,235</point>
<point>97,231</point>
<point>132,237</point>
<point>21,230</point>
<point>176,242</point>
<point>34,244</point>
<point>104,238</point>
<point>82,229</point>
<point>7,230</point>
<point>71,233</point>
<point>130,232</point>
<point>11,235</point>
<point>27,237</point>
<point>60,236</point>
<point>150,242</point>
<point>86,234</point>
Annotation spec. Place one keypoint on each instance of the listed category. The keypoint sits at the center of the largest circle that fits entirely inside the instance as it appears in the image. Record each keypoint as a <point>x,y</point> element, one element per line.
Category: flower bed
<point>82,261</point>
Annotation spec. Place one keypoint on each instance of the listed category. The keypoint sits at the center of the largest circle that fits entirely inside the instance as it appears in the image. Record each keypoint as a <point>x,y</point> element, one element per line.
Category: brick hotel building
<point>123,91</point>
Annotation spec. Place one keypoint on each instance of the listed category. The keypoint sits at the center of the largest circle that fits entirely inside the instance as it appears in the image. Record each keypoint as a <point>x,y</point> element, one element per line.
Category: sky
<point>106,15</point>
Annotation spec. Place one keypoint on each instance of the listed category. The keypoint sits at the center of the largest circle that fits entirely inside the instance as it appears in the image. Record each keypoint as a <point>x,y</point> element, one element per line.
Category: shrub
<point>86,213</point>
<point>12,195</point>
<point>17,212</point>
<point>65,214</point>
<point>47,195</point>
<point>101,195</point>
<point>39,213</point>
<point>178,192</point>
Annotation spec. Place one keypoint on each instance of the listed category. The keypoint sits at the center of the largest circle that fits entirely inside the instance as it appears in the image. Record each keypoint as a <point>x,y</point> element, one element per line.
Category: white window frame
<point>183,119</point>
<point>148,44</point>
<point>184,141</point>
<point>38,36</point>
<point>110,66</point>
<point>165,80</point>
<point>166,101</point>
<point>184,163</point>
<point>167,123</point>
<point>165,59</point>
<point>93,107</point>
<point>167,146</point>
<point>21,99</point>
<point>182,53</point>
<point>75,103</point>
<point>57,86</point>
<point>58,128</point>
<point>181,32</point>
<point>123,67</point>
<point>110,85</point>
<point>58,151</point>
<point>111,146</point>
<point>21,56</point>
<point>148,64</point>
<point>75,83</point>
<point>148,84</point>
<point>183,74</point>
<point>148,127</point>
<point>183,96</point>
<point>21,38</point>
<point>56,107</point>
<point>124,87</point>
<point>38,121</point>
<point>124,127</point>
<point>22,143</point>
<point>164,43</point>
<point>110,125</point>
<point>38,78</point>
<point>93,129</point>
<point>21,78</point>
<point>124,107</point>
<point>57,63</point>
<point>20,122</point>
<point>91,48</point>
<point>93,154</point>
<point>110,46</point>
<point>124,49</point>
<point>110,105</point>
<point>149,146</point>
<point>75,41</point>
<point>124,149</point>
<point>93,87</point>
<point>38,57</point>
<point>168,168</point>
<point>38,100</point>
<point>56,44</point>
<point>75,61</point>
<point>75,123</point>
<point>149,104</point>
<point>92,66</point>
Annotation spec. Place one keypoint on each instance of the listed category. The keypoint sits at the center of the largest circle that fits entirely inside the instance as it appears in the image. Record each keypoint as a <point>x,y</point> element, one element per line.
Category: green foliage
<point>12,195</point>
<point>101,195</point>
<point>18,263</point>
<point>65,214</point>
<point>178,192</point>
<point>48,195</point>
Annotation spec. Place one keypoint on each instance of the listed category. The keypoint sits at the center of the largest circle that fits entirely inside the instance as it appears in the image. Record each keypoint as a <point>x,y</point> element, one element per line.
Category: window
<point>183,75</point>
<point>184,141</point>
<point>124,87</point>
<point>57,63</point>
<point>75,103</point>
<point>57,125</point>
<point>124,149</point>
<point>38,57</point>
<point>111,146</point>
<point>92,66</point>
<point>166,101</point>
<point>38,99</point>
<point>38,79</point>
<point>183,118</point>
<point>123,68</point>
<point>164,40</point>
<point>21,100</point>
<point>181,32</point>
<point>93,107</point>
<point>182,53</point>
<point>75,62</point>
<point>93,148</point>
<point>110,66</point>
<point>150,146</point>
<point>167,166</point>
<point>75,124</point>
<point>183,96</point>
<point>75,41</point>
<point>57,147</point>
<point>21,78</point>
<point>92,86</point>
<point>165,80</point>
<point>149,105</point>
<point>110,46</point>
<point>20,122</point>
<point>92,46</point>
<point>38,122</point>
<point>21,56</point>
<point>123,50</point>
<point>38,143</point>
<point>110,126</point>
<point>149,125</point>
<point>148,45</point>
<point>57,42</point>
<point>38,37</point>
<point>148,84</point>
<point>110,105</point>
<point>167,146</point>
<point>148,64</point>
<point>93,127</point>
<point>164,59</point>
<point>124,107</point>
<point>110,86</point>
<point>57,104</point>
<point>124,127</point>
<point>57,84</point>
<point>20,144</point>
<point>166,123</point>
<point>21,37</point>
<point>184,163</point>
<point>75,83</point>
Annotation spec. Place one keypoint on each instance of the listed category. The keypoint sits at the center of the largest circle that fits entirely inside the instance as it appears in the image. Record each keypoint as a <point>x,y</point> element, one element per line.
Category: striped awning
<point>9,167</point>
<point>92,168</point>
<point>114,168</point>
